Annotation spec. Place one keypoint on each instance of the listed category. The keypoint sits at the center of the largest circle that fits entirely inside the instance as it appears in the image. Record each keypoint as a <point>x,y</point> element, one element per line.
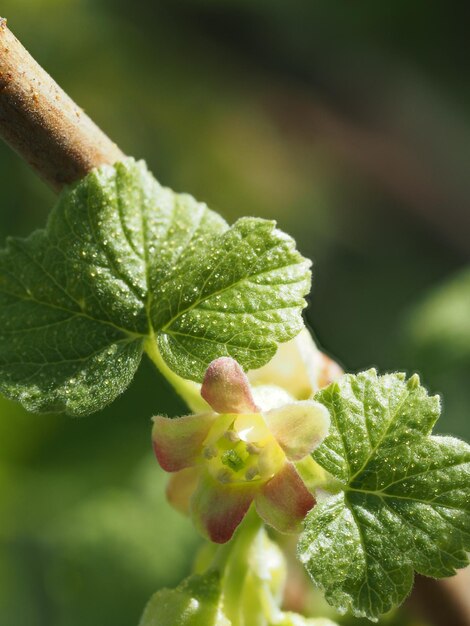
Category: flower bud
<point>195,602</point>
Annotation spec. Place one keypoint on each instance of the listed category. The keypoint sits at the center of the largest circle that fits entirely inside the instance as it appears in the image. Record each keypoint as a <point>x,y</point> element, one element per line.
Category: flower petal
<point>178,442</point>
<point>299,427</point>
<point>284,501</point>
<point>226,387</point>
<point>217,509</point>
<point>181,487</point>
<point>294,367</point>
<point>299,367</point>
<point>329,371</point>
<point>269,397</point>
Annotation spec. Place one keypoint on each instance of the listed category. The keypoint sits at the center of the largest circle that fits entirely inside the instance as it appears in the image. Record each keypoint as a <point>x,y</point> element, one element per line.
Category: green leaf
<point>403,495</point>
<point>238,296</point>
<point>195,602</point>
<point>124,262</point>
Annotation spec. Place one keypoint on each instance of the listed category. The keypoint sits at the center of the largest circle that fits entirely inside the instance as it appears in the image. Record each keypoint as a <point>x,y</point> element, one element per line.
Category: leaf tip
<point>413,382</point>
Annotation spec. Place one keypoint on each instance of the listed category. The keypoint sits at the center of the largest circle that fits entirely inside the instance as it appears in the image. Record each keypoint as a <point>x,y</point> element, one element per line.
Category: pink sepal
<point>226,387</point>
<point>284,501</point>
<point>218,509</point>
<point>178,442</point>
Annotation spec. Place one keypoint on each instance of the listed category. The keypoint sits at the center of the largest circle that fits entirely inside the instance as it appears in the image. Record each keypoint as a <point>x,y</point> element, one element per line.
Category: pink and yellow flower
<point>226,459</point>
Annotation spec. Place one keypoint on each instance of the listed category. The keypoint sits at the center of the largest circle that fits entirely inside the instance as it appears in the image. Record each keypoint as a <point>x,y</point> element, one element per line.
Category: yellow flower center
<point>241,449</point>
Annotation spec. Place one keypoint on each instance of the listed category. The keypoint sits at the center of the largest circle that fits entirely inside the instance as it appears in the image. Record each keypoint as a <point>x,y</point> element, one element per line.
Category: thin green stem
<point>187,389</point>
<point>237,565</point>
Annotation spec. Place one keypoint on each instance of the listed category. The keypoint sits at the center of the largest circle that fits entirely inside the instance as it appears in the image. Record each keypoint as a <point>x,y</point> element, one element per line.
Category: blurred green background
<point>349,123</point>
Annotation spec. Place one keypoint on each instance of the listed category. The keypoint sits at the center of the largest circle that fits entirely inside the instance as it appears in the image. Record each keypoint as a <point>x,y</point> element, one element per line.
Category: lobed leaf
<point>122,260</point>
<point>403,495</point>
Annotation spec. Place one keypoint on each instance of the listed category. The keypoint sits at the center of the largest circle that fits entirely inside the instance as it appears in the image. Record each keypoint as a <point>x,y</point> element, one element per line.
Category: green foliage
<point>195,602</point>
<point>403,495</point>
<point>122,260</point>
<point>242,161</point>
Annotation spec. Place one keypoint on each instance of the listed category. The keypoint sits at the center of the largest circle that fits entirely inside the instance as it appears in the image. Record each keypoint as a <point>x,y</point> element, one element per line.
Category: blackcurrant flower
<point>238,453</point>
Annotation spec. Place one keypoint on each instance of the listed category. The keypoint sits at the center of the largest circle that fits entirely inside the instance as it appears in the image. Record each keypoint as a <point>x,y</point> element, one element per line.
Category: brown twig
<point>40,122</point>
